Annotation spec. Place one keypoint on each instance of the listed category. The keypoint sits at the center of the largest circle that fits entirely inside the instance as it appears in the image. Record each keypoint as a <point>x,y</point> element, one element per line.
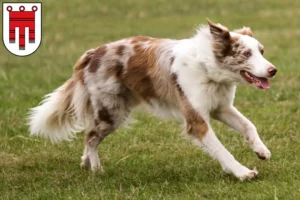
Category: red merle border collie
<point>192,79</point>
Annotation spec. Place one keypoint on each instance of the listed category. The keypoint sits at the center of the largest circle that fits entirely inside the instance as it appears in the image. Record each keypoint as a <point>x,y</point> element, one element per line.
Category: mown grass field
<point>152,160</point>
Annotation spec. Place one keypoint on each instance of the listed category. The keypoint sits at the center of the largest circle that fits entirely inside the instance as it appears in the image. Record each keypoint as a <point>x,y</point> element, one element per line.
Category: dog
<point>193,80</point>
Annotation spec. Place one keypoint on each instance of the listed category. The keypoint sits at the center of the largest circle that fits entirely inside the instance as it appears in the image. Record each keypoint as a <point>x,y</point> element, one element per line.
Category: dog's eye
<point>262,51</point>
<point>247,54</point>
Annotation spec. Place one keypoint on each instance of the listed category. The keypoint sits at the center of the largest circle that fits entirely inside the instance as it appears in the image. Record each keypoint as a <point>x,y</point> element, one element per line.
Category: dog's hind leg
<point>93,139</point>
<point>107,118</point>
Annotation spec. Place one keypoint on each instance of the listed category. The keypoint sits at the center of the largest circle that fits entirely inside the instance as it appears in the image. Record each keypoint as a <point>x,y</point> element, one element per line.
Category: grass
<point>150,161</point>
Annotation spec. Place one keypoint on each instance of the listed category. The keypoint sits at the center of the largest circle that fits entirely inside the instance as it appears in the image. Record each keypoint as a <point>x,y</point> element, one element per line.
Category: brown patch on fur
<point>103,115</point>
<point>141,39</point>
<point>245,31</point>
<point>195,124</point>
<point>115,69</point>
<point>96,59</point>
<point>119,69</point>
<point>239,55</point>
<point>221,50</point>
<point>84,60</point>
<point>81,64</point>
<point>91,135</point>
<point>234,52</point>
<point>120,50</point>
<point>140,71</point>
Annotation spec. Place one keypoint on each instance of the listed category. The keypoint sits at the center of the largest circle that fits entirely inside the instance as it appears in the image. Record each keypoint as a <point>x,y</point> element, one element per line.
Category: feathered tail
<point>66,111</point>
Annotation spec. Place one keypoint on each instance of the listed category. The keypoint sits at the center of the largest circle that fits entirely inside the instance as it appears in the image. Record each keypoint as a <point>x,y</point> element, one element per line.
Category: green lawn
<point>151,160</point>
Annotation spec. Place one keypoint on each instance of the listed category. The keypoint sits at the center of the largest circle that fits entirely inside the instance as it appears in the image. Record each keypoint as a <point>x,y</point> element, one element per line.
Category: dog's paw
<point>263,153</point>
<point>250,175</point>
<point>247,174</point>
<point>97,168</point>
<point>241,172</point>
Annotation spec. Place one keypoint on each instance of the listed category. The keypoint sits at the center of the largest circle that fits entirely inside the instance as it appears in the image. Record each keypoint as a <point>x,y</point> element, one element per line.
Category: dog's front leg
<point>211,144</point>
<point>234,119</point>
<point>203,135</point>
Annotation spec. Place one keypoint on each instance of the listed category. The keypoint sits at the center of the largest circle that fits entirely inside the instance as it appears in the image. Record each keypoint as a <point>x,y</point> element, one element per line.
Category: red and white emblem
<point>22,27</point>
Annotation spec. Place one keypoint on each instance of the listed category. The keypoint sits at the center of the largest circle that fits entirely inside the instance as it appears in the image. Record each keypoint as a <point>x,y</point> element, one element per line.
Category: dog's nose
<point>272,71</point>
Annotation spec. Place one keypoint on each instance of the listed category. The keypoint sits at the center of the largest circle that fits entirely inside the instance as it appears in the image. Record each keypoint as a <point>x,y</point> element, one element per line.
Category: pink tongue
<point>264,83</point>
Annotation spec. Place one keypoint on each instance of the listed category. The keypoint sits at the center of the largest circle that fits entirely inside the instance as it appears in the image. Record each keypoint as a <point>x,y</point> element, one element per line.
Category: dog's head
<point>242,55</point>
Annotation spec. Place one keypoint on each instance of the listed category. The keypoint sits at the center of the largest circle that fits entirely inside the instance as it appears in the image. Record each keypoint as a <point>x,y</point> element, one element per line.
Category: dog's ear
<point>245,31</point>
<point>218,31</point>
<point>222,45</point>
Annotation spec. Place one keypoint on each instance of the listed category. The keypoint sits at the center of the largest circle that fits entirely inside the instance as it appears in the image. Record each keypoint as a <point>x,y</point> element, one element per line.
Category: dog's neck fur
<point>197,51</point>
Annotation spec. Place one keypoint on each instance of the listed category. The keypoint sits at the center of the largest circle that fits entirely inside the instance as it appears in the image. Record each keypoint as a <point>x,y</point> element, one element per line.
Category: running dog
<point>193,80</point>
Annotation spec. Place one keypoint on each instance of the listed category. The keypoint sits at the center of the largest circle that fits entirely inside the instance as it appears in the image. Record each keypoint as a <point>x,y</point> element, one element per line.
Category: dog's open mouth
<point>262,83</point>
